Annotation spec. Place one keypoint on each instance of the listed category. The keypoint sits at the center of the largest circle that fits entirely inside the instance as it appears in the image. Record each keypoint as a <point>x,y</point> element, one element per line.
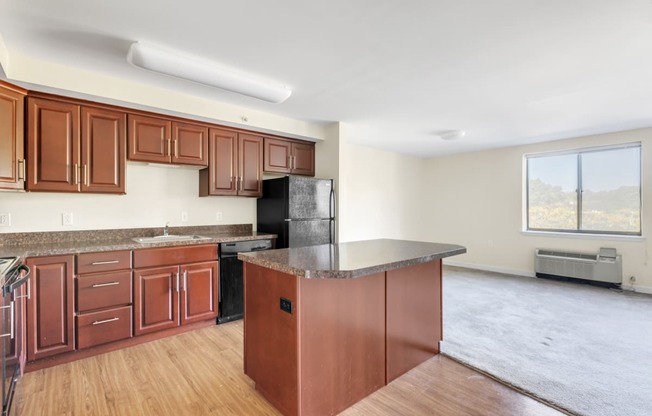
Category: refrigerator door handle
<point>332,231</point>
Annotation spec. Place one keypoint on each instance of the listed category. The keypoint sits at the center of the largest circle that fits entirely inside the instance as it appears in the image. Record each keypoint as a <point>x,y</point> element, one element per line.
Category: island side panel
<point>342,342</point>
<point>414,325</point>
<point>270,336</point>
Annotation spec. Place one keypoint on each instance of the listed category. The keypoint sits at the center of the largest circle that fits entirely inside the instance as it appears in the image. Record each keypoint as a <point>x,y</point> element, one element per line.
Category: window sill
<point>553,234</point>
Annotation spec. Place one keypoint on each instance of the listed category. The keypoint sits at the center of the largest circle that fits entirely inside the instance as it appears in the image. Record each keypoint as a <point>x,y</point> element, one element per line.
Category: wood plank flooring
<point>200,373</point>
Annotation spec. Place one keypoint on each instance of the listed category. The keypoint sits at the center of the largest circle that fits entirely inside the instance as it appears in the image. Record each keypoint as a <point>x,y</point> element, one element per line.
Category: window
<point>594,190</point>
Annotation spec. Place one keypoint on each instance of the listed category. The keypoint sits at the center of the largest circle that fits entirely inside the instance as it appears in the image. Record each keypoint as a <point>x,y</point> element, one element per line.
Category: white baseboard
<point>495,269</point>
<point>524,273</point>
<point>638,289</point>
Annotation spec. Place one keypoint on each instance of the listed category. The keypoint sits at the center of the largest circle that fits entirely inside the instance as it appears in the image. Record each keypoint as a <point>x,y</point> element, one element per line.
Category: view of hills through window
<point>597,190</point>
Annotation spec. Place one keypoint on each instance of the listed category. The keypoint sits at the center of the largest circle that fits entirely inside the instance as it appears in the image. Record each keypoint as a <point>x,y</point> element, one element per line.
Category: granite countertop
<point>74,242</point>
<point>350,260</point>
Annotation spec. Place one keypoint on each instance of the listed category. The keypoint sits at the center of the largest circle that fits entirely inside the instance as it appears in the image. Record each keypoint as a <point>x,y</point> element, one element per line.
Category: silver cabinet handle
<point>177,282</point>
<point>185,280</point>
<point>106,284</point>
<point>76,169</point>
<point>106,321</point>
<point>85,174</point>
<point>99,263</point>
<point>11,319</point>
<point>176,148</point>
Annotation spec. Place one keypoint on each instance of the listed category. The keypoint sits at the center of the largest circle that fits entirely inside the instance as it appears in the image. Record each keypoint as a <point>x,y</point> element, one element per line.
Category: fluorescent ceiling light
<point>204,72</point>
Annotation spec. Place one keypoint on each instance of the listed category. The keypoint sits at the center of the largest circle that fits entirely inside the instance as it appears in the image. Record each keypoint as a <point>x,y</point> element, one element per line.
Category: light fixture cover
<point>451,134</point>
<point>205,72</point>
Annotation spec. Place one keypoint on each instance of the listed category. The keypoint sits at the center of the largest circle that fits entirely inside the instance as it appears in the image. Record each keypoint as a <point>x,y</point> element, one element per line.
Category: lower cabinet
<point>99,298</point>
<point>169,295</point>
<point>103,298</point>
<point>50,328</point>
<point>100,327</point>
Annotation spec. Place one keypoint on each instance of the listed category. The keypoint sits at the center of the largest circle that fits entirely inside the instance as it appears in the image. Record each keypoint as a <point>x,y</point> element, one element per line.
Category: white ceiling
<point>505,71</point>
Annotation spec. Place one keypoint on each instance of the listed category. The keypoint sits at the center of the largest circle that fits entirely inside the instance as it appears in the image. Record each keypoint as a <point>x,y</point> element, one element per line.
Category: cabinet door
<point>221,176</point>
<point>52,146</point>
<point>277,156</point>
<point>149,139</point>
<point>303,158</point>
<point>12,158</point>
<point>189,144</point>
<point>250,165</point>
<point>156,299</point>
<point>199,292</point>
<point>103,150</point>
<point>50,308</point>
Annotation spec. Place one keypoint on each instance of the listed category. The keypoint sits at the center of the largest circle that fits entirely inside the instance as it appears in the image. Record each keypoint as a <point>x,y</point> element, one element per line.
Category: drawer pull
<point>106,284</point>
<point>106,321</point>
<point>99,263</point>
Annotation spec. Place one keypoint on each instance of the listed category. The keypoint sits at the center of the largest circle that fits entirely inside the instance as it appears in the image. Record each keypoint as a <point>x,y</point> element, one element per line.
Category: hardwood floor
<point>200,373</point>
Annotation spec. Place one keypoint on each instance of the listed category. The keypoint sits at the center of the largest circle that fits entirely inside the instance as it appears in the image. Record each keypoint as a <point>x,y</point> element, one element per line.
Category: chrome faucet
<point>166,229</point>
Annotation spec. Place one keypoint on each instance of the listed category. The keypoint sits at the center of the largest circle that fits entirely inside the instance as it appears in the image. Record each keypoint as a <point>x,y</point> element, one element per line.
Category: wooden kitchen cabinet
<point>74,148</point>
<point>289,156</point>
<point>103,294</point>
<point>235,164</point>
<point>174,286</point>
<point>160,140</point>
<point>50,329</point>
<point>156,304</point>
<point>103,150</point>
<point>198,295</point>
<point>12,151</point>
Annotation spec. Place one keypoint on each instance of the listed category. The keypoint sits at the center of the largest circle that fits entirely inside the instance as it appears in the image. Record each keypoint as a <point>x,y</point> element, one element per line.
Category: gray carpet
<point>585,349</point>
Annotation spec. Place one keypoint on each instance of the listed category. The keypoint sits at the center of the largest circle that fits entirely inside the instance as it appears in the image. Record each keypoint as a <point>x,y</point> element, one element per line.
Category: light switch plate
<point>5,219</point>
<point>67,218</point>
<point>184,216</point>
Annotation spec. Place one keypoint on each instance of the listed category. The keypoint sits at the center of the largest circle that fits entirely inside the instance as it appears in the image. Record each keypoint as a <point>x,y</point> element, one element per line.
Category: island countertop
<point>350,260</point>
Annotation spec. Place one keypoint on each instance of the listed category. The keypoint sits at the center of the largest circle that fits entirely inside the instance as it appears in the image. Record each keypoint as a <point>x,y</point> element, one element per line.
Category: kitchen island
<point>327,325</point>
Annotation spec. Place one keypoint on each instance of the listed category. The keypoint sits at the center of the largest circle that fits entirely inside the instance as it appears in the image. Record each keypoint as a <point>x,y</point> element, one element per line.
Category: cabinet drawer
<point>168,256</point>
<point>105,326</point>
<point>103,290</point>
<point>103,262</point>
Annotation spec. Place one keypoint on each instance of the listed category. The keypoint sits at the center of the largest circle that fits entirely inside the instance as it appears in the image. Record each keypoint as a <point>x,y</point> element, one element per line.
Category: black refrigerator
<point>299,209</point>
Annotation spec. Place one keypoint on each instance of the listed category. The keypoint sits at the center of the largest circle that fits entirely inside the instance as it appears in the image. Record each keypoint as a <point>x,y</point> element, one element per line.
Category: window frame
<point>578,190</point>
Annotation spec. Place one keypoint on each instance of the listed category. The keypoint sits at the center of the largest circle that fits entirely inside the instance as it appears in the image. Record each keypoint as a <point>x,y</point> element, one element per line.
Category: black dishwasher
<point>231,287</point>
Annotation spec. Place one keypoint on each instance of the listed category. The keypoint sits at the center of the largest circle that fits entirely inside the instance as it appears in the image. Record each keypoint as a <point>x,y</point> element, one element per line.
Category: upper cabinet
<point>235,164</point>
<point>75,148</point>
<point>160,140</point>
<point>289,156</point>
<point>12,157</point>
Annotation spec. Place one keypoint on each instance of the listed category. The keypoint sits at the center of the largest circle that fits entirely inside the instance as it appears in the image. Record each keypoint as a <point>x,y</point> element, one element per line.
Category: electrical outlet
<point>67,218</point>
<point>5,220</point>
<point>286,305</point>
<point>184,216</point>
<point>218,215</point>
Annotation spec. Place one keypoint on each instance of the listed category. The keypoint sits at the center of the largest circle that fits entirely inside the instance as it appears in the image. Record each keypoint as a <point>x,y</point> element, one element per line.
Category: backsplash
<point>21,239</point>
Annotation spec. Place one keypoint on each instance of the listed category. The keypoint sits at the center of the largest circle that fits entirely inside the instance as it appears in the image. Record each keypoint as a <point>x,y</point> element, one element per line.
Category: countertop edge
<point>349,274</point>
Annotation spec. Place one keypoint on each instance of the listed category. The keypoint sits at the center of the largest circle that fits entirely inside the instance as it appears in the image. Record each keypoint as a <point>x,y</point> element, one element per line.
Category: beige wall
<point>380,193</point>
<point>476,200</point>
<point>155,195</point>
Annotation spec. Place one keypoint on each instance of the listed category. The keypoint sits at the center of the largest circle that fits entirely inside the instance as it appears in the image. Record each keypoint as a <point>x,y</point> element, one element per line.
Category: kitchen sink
<point>169,238</point>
